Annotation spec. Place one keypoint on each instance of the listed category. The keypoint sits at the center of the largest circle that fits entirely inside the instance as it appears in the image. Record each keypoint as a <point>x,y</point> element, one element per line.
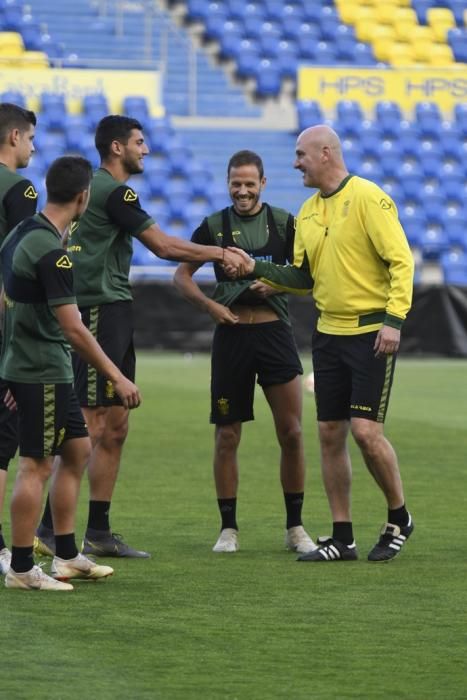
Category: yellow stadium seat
<point>421,33</point>
<point>405,14</point>
<point>441,55</point>
<point>384,13</point>
<point>440,19</point>
<point>421,49</point>
<point>401,54</point>
<point>364,29</point>
<point>348,11</point>
<point>404,30</point>
<point>11,43</point>
<point>382,47</point>
<point>34,59</point>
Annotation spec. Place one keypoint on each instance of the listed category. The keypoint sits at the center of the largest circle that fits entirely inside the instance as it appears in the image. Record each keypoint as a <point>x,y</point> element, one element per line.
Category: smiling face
<point>245,187</point>
<point>133,152</point>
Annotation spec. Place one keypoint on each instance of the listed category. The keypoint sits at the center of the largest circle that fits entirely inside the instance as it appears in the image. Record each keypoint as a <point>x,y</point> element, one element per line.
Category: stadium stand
<point>418,158</point>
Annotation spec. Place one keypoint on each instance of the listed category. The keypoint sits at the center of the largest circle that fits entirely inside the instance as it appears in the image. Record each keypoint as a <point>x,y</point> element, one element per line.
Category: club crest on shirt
<point>223,406</point>
<point>345,208</point>
<point>64,263</point>
<point>384,204</point>
<point>109,390</point>
<point>130,196</point>
<point>30,193</point>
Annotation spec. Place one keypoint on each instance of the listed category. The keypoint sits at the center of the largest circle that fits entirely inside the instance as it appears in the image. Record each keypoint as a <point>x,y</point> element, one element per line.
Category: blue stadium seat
<point>309,113</point>
<point>78,139</point>
<point>95,107</point>
<point>198,10</point>
<point>180,157</point>
<point>268,81</point>
<point>53,110</point>
<point>457,8</point>
<point>433,240</point>
<point>32,36</point>
<point>325,53</point>
<point>136,106</point>
<point>287,59</point>
<point>421,7</point>
<point>349,114</point>
<point>307,42</point>
<point>12,17</point>
<point>14,97</point>
<point>231,39</point>
<point>454,266</point>
<point>269,39</point>
<point>214,25</point>
<point>457,39</point>
<point>456,232</point>
<point>247,59</point>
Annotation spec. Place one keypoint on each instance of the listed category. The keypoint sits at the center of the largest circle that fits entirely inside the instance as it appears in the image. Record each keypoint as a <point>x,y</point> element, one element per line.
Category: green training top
<point>18,200</point>
<point>267,235</point>
<point>100,243</point>
<point>37,276</point>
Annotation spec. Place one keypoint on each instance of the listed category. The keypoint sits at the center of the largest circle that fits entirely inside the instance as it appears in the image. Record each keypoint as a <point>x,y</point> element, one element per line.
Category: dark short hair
<point>14,117</point>
<point>114,127</point>
<point>67,177</point>
<point>246,158</point>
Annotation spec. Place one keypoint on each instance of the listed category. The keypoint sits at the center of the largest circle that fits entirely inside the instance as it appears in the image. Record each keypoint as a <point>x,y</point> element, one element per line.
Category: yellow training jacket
<point>355,250</point>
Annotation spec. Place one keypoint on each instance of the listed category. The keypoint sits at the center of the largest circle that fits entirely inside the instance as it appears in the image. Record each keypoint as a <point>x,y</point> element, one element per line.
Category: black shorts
<point>242,353</point>
<point>8,429</point>
<point>349,380</point>
<point>48,414</point>
<point>112,327</point>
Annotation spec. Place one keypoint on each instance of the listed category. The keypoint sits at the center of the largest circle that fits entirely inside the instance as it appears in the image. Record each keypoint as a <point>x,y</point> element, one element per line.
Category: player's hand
<point>222,314</point>
<point>387,341</point>
<point>128,392</point>
<point>262,290</point>
<point>239,265</point>
<point>9,401</point>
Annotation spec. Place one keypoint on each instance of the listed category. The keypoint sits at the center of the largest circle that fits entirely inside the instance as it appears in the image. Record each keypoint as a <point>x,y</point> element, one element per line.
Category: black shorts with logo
<point>240,355</point>
<point>8,429</point>
<point>112,326</point>
<point>48,414</point>
<point>349,380</point>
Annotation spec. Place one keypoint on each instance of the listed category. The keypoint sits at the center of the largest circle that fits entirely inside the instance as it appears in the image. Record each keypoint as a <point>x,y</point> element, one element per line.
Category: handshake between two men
<point>237,263</point>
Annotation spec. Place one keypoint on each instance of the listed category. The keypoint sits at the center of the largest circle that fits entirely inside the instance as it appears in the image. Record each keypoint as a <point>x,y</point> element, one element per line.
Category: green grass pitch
<point>257,625</point>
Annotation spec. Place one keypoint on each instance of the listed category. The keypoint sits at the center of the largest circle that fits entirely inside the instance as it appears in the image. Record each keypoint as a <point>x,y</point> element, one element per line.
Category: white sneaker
<point>298,540</point>
<point>34,579</point>
<point>228,541</point>
<point>5,560</point>
<point>78,567</point>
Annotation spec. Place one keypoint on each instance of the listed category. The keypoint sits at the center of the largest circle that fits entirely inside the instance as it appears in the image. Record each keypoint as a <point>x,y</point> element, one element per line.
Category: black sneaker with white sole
<point>329,549</point>
<point>391,541</point>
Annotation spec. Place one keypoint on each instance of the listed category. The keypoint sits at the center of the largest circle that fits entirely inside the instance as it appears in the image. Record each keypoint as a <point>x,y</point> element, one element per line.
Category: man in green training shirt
<point>100,247</point>
<point>41,321</point>
<point>351,249</point>
<point>18,200</point>
<point>253,340</point>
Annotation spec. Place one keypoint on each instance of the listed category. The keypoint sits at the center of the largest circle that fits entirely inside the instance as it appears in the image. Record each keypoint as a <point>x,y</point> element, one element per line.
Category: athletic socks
<point>293,507</point>
<point>342,532</point>
<point>398,516</point>
<point>228,511</point>
<point>21,559</point>
<point>65,546</point>
<point>99,515</point>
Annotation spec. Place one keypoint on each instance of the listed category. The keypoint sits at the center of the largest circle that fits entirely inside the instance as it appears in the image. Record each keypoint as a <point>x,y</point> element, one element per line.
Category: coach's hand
<point>387,341</point>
